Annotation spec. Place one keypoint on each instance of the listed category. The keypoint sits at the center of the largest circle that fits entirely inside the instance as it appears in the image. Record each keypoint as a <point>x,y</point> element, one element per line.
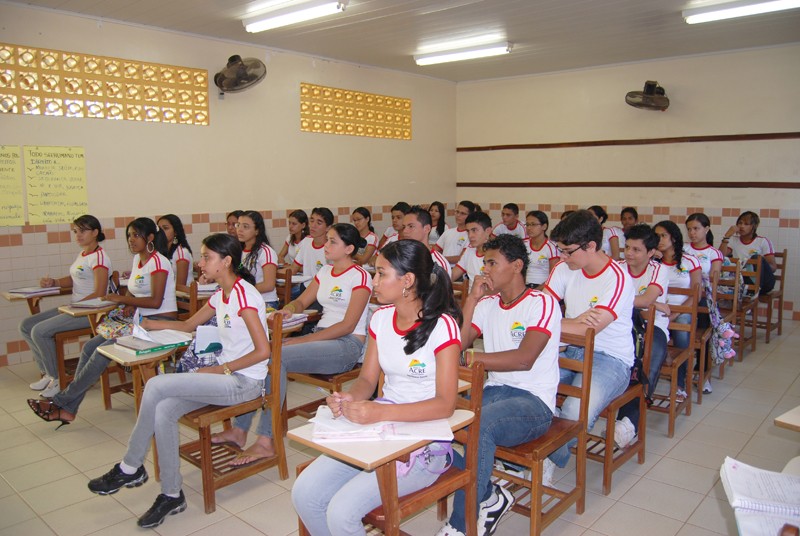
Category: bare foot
<point>262,448</point>
<point>234,436</point>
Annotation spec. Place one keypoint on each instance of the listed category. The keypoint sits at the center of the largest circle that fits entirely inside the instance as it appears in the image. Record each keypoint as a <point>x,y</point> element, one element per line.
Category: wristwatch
<point>226,370</point>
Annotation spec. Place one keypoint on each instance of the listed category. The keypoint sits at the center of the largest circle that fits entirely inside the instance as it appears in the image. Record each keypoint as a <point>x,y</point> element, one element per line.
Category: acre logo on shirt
<point>226,321</point>
<point>336,294</point>
<point>138,281</point>
<point>416,369</point>
<point>642,289</point>
<point>79,268</point>
<point>593,301</point>
<point>517,332</point>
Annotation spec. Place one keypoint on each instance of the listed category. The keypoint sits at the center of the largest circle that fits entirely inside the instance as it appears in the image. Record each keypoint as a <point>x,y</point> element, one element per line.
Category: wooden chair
<point>188,304</point>
<point>769,299</point>
<point>751,272</point>
<point>700,345</point>
<point>675,358</point>
<point>213,459</point>
<point>602,448</point>
<point>451,480</point>
<point>726,291</point>
<point>284,289</point>
<point>532,454</point>
<point>330,382</point>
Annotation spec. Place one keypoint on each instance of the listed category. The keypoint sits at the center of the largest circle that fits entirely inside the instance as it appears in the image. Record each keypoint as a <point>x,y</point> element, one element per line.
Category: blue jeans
<point>39,332</point>
<point>610,377</point>
<point>318,357</point>
<point>331,497</point>
<point>657,358</point>
<point>509,417</point>
<point>166,399</point>
<point>90,367</point>
<point>680,339</point>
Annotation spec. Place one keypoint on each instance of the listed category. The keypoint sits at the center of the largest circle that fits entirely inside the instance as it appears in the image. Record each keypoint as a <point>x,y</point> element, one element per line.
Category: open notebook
<point>326,428</point>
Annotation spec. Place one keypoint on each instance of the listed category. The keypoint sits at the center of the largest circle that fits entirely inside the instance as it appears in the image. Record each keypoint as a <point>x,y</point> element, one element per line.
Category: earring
<point>405,292</point>
<point>175,240</point>
<point>150,247</point>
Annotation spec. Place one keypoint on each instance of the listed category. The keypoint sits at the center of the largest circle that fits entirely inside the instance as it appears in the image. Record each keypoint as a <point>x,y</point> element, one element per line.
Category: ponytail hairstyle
<point>599,212</point>
<point>350,236</point>
<point>367,216</point>
<point>180,234</point>
<point>250,261</point>
<point>677,239</point>
<point>754,220</point>
<point>302,218</point>
<point>87,222</point>
<point>227,246</point>
<point>146,227</point>
<point>432,288</point>
<point>542,217</point>
<point>442,213</point>
<point>703,220</point>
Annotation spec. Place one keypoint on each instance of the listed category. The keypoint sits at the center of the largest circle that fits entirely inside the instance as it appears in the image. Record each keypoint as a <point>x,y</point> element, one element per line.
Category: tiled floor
<point>676,492</point>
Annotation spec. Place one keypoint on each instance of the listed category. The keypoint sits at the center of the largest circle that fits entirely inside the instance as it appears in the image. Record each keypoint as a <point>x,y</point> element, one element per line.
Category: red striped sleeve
<point>267,255</point>
<point>452,334</point>
<point>619,281</point>
<point>158,266</point>
<point>100,255</point>
<point>364,281</point>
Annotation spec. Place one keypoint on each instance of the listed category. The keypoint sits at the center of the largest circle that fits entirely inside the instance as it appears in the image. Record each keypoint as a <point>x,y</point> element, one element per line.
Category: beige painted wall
<point>253,153</point>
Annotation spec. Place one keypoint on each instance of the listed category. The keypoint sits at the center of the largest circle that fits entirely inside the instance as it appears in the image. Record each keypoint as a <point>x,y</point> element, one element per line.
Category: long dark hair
<point>146,227</point>
<point>441,223</point>
<point>87,222</point>
<point>367,215</point>
<point>250,261</point>
<point>541,216</point>
<point>227,246</point>
<point>350,236</point>
<point>180,234</point>
<point>432,287</point>
<point>677,239</point>
<point>599,212</point>
<point>302,218</point>
<point>703,220</point>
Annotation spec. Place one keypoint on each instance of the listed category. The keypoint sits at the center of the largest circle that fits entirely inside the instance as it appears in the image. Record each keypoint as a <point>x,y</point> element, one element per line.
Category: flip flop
<point>226,442</point>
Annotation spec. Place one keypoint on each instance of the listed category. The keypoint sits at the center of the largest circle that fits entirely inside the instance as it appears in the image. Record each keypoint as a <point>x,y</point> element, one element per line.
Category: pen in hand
<point>337,411</point>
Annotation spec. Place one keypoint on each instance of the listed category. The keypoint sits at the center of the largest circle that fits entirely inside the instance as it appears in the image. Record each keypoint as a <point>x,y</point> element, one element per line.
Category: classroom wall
<point>744,92</point>
<point>251,156</point>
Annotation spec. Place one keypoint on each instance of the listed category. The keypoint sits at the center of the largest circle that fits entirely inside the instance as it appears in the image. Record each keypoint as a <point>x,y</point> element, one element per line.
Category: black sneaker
<point>163,507</point>
<point>489,516</point>
<point>112,481</point>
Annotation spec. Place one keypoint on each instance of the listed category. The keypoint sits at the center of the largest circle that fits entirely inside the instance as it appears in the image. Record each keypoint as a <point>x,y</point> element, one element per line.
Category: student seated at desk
<point>311,253</point>
<point>362,219</point>
<point>239,377</point>
<point>612,245</point>
<point>151,293</point>
<point>88,278</point>
<point>453,241</point>
<point>510,223</point>
<point>416,226</point>
<point>230,222</point>
<point>179,252</point>
<point>392,233</point>
<point>417,330</point>
<point>542,252</point>
<point>479,229</point>
<point>258,257</point>
<point>743,242</point>
<point>438,223</point>
<point>336,344</point>
<point>298,230</point>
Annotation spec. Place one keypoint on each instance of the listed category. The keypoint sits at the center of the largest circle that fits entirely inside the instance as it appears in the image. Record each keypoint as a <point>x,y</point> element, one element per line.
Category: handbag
<point>116,324</point>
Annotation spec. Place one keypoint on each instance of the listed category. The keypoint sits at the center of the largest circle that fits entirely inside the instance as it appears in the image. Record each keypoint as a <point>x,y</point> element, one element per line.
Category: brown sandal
<point>50,414</point>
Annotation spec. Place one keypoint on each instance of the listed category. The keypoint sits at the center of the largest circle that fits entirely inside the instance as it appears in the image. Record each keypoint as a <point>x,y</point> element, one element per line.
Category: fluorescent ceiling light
<point>293,15</point>
<point>732,10</point>
<point>485,51</point>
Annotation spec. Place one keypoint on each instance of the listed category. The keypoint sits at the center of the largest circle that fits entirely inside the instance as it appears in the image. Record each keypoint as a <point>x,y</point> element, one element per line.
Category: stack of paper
<point>146,342</point>
<point>326,428</point>
<point>35,291</point>
<point>94,303</point>
<point>294,320</point>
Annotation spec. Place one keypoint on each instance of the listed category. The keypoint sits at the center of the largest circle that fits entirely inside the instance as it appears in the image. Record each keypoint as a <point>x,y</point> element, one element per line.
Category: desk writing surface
<point>127,359</point>
<point>83,311</point>
<point>370,454</point>
<point>790,419</point>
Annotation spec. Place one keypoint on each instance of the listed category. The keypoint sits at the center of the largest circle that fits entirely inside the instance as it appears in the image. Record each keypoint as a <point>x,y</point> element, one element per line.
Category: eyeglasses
<point>244,226</point>
<point>568,253</point>
<point>533,225</point>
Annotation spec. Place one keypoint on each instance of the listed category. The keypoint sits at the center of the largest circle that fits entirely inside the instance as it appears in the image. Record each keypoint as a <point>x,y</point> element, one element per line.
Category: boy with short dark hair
<point>510,224</point>
<point>479,229</point>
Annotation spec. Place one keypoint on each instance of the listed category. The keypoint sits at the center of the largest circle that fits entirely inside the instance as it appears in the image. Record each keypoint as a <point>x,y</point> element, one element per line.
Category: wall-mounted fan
<point>653,97</point>
<point>240,74</point>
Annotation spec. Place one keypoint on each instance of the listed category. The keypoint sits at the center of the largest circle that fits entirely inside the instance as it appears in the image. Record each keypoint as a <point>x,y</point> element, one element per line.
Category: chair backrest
<point>780,270</point>
<point>751,272</point>
<point>726,285</point>
<point>584,367</point>
<point>275,327</point>
<point>461,287</point>
<point>285,291</point>
<point>649,316</point>
<point>693,296</point>
<point>187,306</point>
<point>114,282</point>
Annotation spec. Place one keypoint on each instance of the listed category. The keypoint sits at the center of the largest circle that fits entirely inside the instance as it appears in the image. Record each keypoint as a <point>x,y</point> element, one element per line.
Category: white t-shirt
<point>609,232</point>
<point>680,278</point>
<point>266,255</point>
<point>291,250</point>
<point>612,290</point>
<point>140,286</point>
<point>653,275</point>
<point>621,236</point>
<point>394,238</point>
<point>439,259</point>
<point>452,242</point>
<point>371,239</point>
<point>409,378</point>
<point>335,292</point>
<point>233,332</point>
<point>82,272</point>
<point>517,230</point>
<point>390,232</point>
<point>504,327</point>
<point>707,256</point>
<point>310,257</point>
<point>471,263</point>
<point>434,235</point>
<point>182,254</point>
<point>539,266</point>
<point>743,251</point>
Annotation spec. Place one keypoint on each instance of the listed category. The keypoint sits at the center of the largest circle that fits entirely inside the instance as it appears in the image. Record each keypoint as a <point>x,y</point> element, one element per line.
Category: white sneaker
<point>42,383</point>
<point>624,433</point>
<point>548,470</point>
<point>489,516</point>
<point>448,530</point>
<point>707,388</point>
<point>52,389</point>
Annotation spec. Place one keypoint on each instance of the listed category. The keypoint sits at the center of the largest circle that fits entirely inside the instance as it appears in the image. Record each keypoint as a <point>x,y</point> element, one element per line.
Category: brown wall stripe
<point>632,184</point>
<point>642,141</point>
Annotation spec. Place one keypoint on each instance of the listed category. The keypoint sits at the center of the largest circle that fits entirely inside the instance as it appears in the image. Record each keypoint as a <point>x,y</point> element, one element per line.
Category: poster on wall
<point>11,200</point>
<point>56,184</point>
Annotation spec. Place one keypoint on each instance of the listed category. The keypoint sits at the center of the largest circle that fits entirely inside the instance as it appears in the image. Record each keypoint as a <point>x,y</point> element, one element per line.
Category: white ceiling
<point>548,35</point>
